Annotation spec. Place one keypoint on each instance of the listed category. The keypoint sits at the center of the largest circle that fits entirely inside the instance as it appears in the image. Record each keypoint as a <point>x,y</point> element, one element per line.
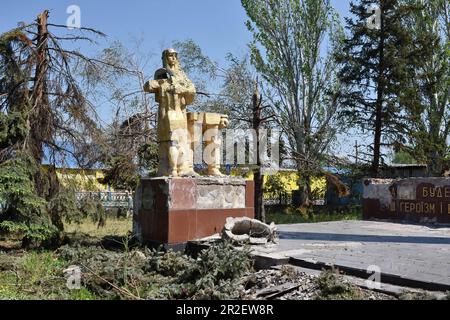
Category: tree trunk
<point>260,213</point>
<point>41,128</point>
<point>375,169</point>
<point>258,177</point>
<point>305,192</point>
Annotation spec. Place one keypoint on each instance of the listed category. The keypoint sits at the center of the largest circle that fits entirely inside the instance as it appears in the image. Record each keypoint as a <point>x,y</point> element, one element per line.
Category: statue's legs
<point>173,159</point>
<point>168,159</point>
<point>194,136</point>
<point>213,143</point>
<point>163,157</point>
<point>184,158</point>
<point>191,145</point>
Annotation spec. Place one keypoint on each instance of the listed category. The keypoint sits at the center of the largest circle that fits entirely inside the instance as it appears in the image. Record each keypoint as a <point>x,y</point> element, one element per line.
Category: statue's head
<point>170,59</point>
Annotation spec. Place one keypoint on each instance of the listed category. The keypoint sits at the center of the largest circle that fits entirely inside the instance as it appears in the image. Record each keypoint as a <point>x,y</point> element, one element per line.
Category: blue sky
<point>218,26</point>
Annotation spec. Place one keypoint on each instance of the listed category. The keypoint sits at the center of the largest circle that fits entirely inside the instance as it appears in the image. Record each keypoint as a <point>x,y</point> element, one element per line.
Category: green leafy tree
<point>426,95</point>
<point>26,211</point>
<point>402,157</point>
<point>289,51</point>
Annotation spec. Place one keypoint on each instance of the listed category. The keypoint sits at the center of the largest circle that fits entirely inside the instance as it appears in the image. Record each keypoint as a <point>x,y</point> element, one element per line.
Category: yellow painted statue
<point>174,92</point>
<point>209,125</point>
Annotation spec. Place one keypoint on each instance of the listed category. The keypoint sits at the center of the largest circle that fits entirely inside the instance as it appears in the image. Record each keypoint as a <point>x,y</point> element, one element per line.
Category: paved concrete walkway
<point>412,255</point>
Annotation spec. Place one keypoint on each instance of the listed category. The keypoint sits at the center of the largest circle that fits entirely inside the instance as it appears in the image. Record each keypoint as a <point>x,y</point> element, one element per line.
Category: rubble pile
<point>288,284</point>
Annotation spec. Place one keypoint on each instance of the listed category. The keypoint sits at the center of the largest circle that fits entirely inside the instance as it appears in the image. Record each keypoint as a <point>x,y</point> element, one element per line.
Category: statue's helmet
<point>169,51</point>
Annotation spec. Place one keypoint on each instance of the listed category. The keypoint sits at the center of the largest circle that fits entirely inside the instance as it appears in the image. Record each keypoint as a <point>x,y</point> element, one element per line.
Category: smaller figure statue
<point>209,126</point>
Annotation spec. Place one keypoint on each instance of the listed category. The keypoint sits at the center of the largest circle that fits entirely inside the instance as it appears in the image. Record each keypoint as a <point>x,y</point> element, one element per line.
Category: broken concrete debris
<point>242,231</point>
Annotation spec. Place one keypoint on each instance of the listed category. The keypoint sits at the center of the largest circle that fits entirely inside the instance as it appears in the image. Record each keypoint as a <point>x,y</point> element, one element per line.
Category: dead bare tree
<point>43,100</point>
<point>131,136</point>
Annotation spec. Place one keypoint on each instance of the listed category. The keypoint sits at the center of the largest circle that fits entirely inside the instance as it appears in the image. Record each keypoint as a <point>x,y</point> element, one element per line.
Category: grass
<point>297,217</point>
<point>113,227</point>
<point>37,275</point>
<point>83,233</point>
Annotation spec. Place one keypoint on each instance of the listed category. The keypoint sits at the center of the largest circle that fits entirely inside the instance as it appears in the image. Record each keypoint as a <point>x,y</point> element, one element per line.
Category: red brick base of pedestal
<point>172,211</point>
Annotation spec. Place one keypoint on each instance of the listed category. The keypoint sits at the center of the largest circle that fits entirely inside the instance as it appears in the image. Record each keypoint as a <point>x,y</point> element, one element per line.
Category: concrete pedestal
<point>173,211</point>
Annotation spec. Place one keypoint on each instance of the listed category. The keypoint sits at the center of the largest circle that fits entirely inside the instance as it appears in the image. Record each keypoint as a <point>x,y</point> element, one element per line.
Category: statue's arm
<point>152,86</point>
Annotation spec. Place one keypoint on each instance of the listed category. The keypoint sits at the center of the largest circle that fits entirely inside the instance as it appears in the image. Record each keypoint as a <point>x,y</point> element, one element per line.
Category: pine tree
<point>41,104</point>
<point>373,62</point>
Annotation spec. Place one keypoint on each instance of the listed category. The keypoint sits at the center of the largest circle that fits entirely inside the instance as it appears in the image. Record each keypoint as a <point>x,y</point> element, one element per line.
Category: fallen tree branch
<point>277,291</point>
<point>123,291</point>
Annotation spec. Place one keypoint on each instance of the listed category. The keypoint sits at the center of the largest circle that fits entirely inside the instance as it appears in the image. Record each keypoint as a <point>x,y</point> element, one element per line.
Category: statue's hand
<point>151,86</point>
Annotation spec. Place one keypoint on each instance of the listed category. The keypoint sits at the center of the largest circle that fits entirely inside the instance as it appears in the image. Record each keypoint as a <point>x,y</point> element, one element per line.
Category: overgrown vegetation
<point>333,287</point>
<point>129,274</point>
<point>36,275</point>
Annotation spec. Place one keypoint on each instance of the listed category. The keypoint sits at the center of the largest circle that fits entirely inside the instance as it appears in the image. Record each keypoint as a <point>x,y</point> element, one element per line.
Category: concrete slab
<point>408,255</point>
